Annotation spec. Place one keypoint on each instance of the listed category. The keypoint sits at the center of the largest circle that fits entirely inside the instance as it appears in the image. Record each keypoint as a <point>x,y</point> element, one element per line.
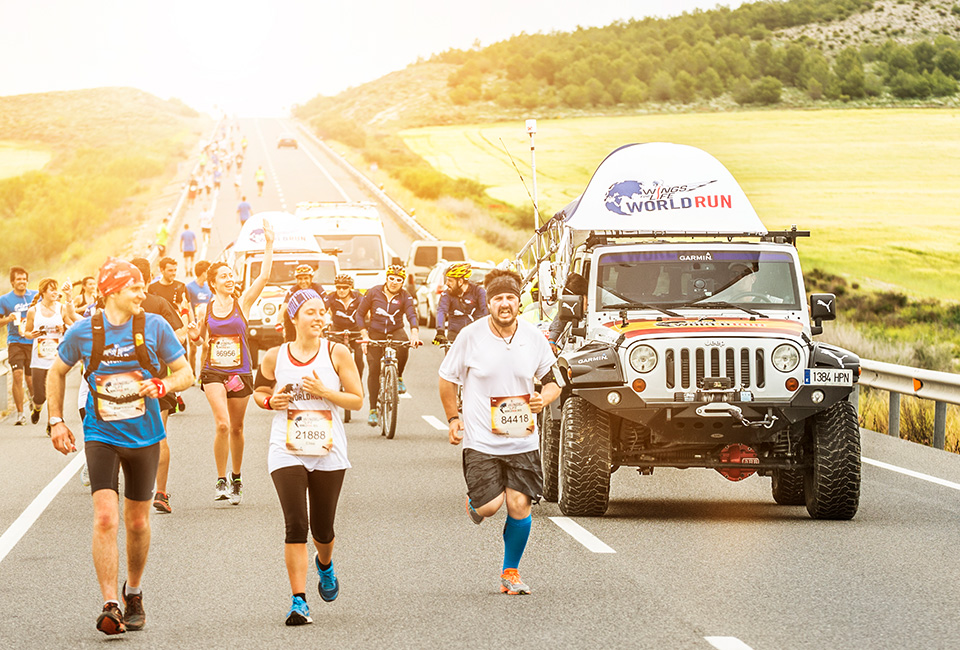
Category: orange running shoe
<point>511,584</point>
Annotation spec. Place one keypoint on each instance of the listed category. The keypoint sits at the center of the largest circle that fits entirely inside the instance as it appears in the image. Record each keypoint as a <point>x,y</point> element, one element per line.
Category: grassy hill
<point>111,149</point>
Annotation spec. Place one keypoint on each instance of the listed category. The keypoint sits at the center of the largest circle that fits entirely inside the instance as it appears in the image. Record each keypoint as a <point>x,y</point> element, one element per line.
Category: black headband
<point>503,284</point>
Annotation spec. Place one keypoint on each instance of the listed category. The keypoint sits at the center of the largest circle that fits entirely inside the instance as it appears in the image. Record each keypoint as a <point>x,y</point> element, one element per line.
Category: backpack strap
<point>140,344</point>
<point>99,341</point>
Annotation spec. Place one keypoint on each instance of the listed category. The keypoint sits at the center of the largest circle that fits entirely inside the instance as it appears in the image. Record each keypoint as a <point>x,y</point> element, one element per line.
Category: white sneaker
<point>222,492</point>
<point>236,493</point>
<point>85,476</point>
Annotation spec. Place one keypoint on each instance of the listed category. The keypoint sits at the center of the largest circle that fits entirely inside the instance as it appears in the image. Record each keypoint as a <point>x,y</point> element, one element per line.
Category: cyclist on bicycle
<point>260,176</point>
<point>342,306</point>
<point>461,303</point>
<point>386,305</point>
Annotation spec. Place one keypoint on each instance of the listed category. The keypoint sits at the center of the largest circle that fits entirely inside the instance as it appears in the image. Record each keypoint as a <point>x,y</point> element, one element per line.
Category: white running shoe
<point>236,494</point>
<point>85,476</point>
<point>222,492</point>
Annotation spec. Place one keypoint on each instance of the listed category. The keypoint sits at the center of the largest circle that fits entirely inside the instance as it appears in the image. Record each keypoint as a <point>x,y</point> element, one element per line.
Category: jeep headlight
<point>269,309</point>
<point>643,358</point>
<point>785,357</point>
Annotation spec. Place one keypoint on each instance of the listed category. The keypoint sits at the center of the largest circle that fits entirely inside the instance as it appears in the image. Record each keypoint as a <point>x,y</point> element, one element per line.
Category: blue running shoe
<point>299,613</point>
<point>401,387</point>
<point>329,586</point>
<point>372,419</point>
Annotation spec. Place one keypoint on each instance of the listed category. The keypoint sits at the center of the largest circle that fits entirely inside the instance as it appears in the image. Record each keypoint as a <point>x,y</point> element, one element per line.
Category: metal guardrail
<point>941,387</point>
<point>372,187</point>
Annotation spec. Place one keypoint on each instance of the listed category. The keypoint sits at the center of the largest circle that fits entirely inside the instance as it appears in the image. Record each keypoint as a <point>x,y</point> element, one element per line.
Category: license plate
<point>827,377</point>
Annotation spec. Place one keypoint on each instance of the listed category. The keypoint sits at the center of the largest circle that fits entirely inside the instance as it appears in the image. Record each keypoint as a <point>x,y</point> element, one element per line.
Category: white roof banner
<point>288,230</point>
<point>663,187</point>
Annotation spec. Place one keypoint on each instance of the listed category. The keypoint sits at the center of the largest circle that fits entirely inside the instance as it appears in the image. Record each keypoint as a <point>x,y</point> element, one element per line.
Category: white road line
<point>273,171</point>
<point>322,169</point>
<point>19,528</point>
<point>582,535</point>
<point>910,472</point>
<point>406,396</point>
<point>434,422</point>
<point>726,643</point>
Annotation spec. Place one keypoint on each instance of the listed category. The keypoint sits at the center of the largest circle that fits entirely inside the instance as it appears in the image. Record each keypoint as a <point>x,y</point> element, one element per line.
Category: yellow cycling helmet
<point>303,269</point>
<point>459,270</point>
<point>397,270</point>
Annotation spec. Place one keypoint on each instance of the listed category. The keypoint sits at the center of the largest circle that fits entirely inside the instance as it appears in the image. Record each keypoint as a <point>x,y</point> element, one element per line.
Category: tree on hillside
<point>924,53</point>
<point>949,63</point>
<point>661,88</point>
<point>684,87</point>
<point>850,75</point>
<point>710,83</point>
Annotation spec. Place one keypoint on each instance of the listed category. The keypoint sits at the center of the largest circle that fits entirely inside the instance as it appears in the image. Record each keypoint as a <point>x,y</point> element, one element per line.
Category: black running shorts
<point>212,377</point>
<point>18,355</point>
<point>139,469</point>
<point>488,476</point>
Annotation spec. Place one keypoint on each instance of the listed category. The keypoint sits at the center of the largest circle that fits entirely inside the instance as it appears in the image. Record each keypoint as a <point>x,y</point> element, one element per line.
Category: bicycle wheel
<point>388,399</point>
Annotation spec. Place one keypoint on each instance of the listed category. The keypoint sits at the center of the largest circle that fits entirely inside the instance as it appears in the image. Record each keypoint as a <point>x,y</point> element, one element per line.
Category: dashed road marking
<point>406,396</point>
<point>726,643</point>
<point>434,422</point>
<point>910,472</point>
<point>582,535</point>
<point>22,524</point>
<point>323,169</point>
<point>273,171</point>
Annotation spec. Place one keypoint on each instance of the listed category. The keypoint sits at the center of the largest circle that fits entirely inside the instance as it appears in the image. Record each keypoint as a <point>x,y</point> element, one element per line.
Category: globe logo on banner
<point>631,197</point>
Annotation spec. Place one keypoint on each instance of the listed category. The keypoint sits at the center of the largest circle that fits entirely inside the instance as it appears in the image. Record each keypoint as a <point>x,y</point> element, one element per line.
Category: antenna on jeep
<point>524,183</point>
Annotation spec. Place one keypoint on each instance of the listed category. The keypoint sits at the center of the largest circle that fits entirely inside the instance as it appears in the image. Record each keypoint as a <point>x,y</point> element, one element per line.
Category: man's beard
<point>501,323</point>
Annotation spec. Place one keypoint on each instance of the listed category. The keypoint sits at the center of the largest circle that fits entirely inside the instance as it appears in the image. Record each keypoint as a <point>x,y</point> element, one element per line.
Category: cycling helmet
<point>343,280</point>
<point>398,270</point>
<point>459,270</point>
<point>303,269</point>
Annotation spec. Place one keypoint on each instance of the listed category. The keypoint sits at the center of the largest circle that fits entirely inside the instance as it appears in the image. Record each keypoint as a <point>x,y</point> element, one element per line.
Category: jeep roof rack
<point>602,237</point>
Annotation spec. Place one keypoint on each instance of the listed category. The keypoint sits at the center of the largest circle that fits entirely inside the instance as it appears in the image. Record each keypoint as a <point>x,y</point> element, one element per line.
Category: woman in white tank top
<point>308,381</point>
<point>47,320</point>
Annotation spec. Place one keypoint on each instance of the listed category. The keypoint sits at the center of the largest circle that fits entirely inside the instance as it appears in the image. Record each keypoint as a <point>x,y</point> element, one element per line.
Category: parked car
<point>287,140</point>
<point>425,254</point>
<point>428,293</point>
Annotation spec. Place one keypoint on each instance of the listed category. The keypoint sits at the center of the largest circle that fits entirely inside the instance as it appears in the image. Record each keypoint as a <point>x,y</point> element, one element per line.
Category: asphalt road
<point>696,561</point>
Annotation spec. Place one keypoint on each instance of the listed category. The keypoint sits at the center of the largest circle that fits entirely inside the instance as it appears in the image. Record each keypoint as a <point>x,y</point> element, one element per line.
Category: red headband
<point>117,274</point>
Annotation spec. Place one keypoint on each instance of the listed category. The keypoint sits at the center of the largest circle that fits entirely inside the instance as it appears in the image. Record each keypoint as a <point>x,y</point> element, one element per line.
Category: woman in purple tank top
<point>226,378</point>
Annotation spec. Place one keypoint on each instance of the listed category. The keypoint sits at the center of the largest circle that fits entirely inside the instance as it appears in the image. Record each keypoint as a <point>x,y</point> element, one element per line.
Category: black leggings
<point>292,484</point>
<point>39,385</point>
<point>374,354</point>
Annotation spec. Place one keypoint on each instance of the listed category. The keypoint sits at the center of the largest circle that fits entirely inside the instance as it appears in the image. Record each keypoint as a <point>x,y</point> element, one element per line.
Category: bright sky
<point>257,57</point>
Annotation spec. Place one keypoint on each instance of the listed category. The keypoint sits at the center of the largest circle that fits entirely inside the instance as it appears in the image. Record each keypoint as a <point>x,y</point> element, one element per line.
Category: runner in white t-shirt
<point>497,359</point>
<point>308,381</point>
<point>206,224</point>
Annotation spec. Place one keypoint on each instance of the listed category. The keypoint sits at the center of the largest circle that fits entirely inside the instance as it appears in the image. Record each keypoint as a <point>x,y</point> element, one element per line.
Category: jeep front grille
<point>743,365</point>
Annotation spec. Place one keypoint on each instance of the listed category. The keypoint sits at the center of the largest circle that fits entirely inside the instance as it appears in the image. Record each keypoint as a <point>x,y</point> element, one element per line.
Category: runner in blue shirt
<point>122,426</point>
<point>244,210</point>
<point>188,246</point>
<point>13,309</point>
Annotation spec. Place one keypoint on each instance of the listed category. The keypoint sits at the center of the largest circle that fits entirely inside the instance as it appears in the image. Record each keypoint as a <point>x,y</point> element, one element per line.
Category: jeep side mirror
<point>823,306</point>
<point>571,309</point>
<point>396,260</point>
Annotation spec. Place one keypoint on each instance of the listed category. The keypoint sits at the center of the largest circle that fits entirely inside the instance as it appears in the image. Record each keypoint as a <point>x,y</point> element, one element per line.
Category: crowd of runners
<point>141,342</point>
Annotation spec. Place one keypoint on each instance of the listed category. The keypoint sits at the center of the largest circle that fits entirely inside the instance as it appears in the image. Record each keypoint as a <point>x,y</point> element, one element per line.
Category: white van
<point>354,233</point>
<point>292,246</point>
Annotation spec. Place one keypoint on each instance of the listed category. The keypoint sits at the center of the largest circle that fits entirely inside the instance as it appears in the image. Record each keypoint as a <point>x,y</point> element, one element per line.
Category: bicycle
<point>446,345</point>
<point>389,392</point>
<point>346,337</point>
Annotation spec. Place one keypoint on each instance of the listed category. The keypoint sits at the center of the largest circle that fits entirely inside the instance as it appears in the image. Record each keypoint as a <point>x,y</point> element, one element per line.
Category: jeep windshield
<point>685,278</point>
<point>356,252</point>
<point>281,274</point>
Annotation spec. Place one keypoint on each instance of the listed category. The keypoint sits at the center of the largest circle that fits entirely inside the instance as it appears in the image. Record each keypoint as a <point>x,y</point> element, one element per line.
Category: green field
<point>879,188</point>
<point>15,159</point>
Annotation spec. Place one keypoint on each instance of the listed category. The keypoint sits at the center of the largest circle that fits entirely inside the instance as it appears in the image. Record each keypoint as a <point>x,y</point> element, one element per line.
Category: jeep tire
<point>787,487</point>
<point>584,459</point>
<point>832,484</point>
<point>550,454</point>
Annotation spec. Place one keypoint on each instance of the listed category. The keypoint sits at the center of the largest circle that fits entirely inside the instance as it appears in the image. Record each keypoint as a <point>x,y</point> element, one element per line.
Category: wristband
<point>266,403</point>
<point>451,419</point>
<point>161,388</point>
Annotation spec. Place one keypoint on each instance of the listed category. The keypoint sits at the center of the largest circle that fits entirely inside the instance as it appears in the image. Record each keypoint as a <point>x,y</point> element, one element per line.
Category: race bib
<point>226,352</point>
<point>511,416</point>
<point>47,348</point>
<point>120,385</point>
<point>309,433</point>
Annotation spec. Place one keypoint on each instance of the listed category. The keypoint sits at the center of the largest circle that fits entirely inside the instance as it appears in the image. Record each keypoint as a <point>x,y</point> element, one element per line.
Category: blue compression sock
<point>516,532</point>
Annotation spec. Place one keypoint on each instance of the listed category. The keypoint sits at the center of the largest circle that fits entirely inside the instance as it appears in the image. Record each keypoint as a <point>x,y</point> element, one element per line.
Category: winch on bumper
<point>715,410</point>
